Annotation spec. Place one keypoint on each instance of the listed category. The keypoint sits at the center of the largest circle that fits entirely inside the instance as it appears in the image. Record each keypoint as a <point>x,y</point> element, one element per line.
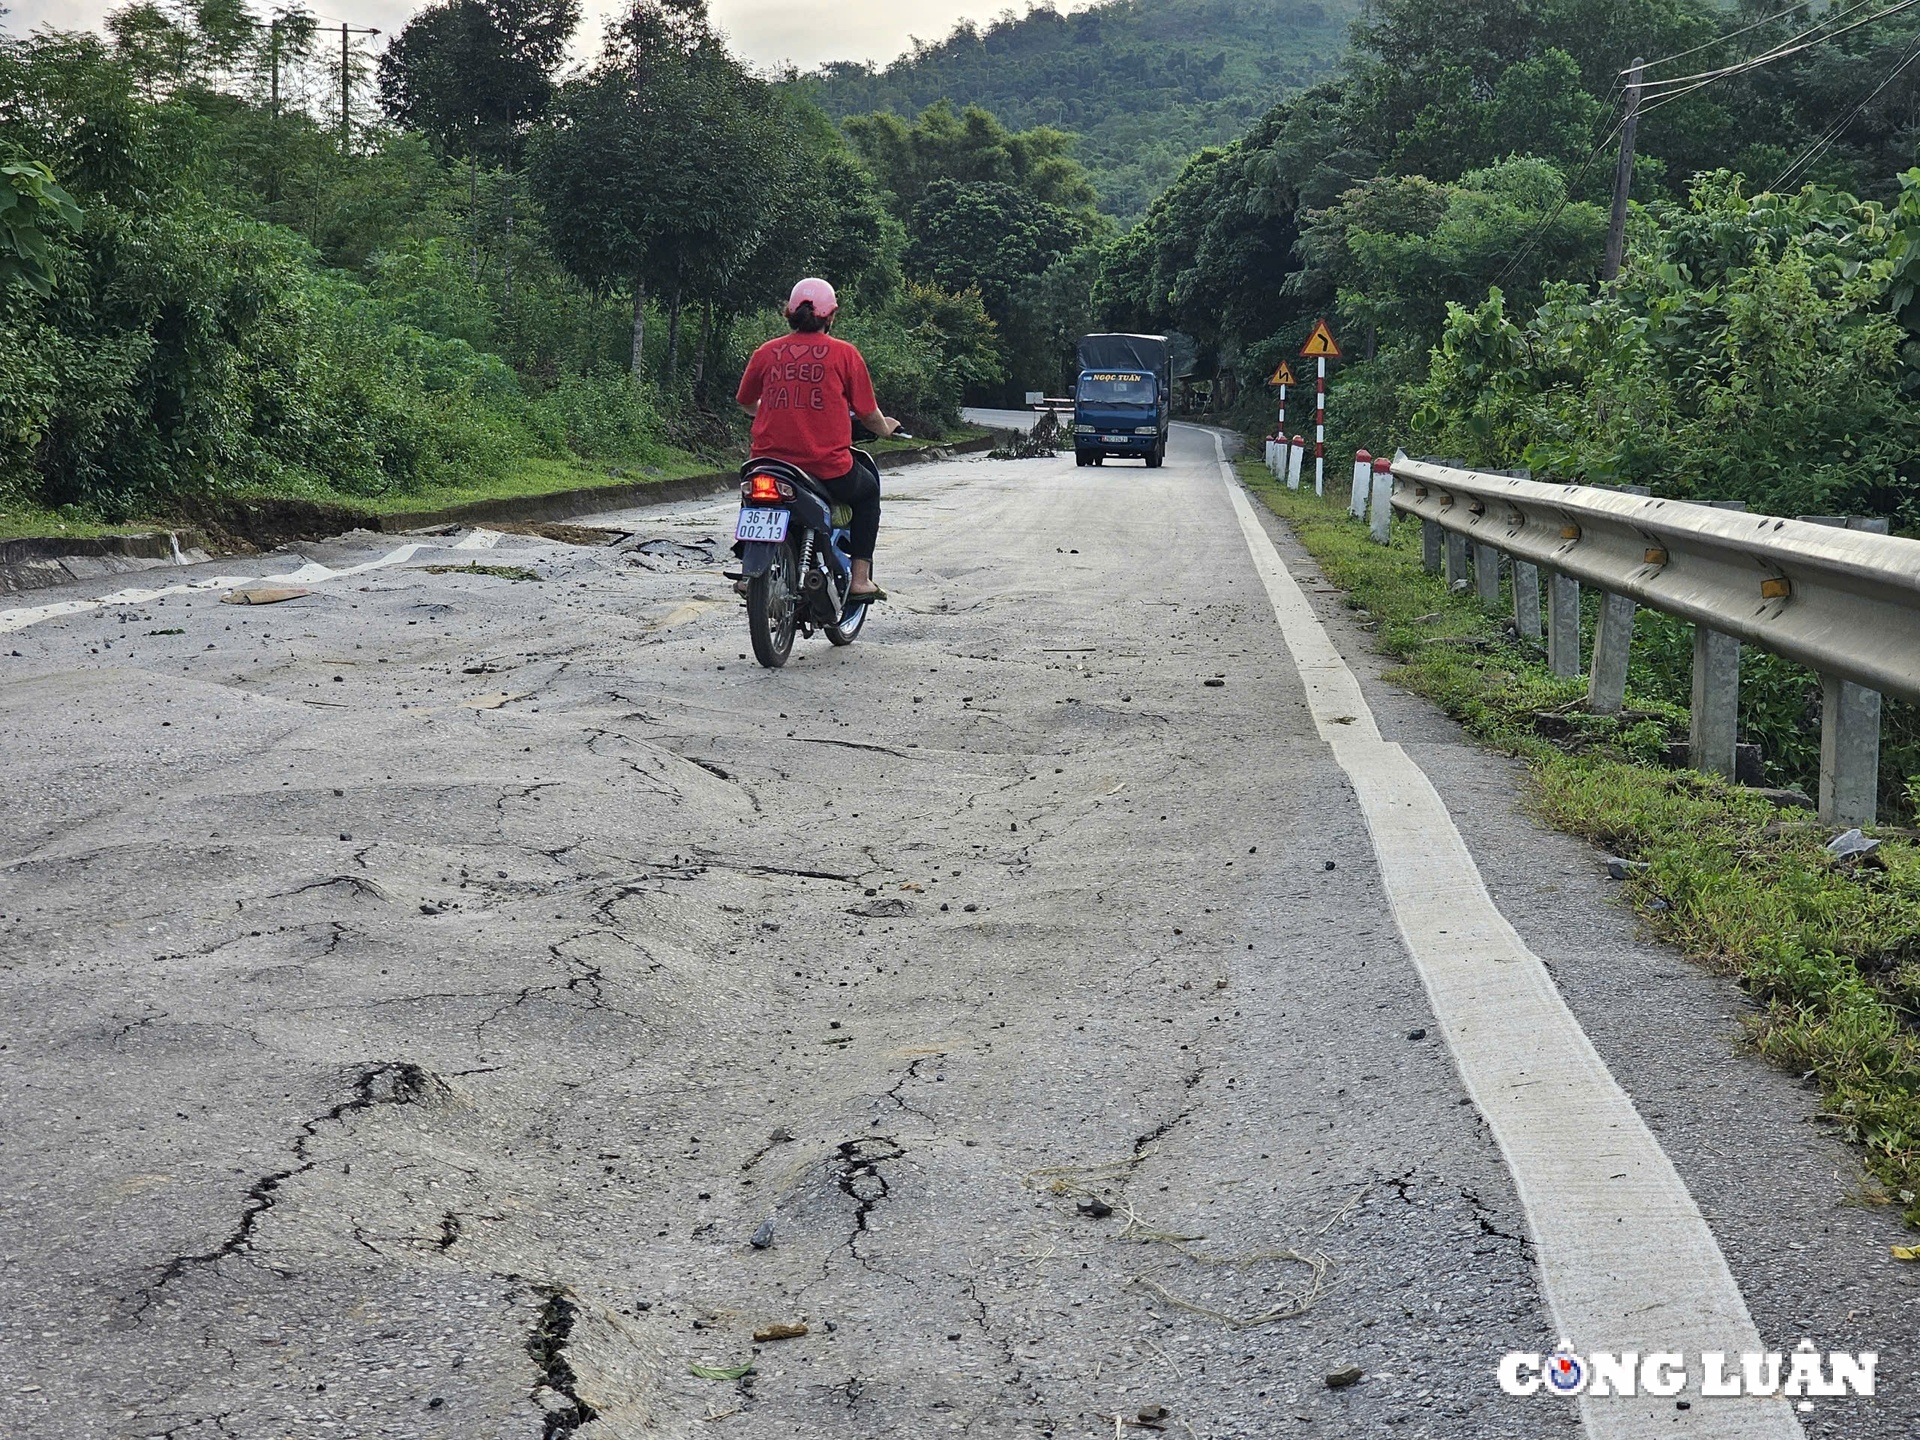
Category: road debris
<point>262,595</point>
<point>763,1236</point>
<point>1619,869</point>
<point>497,572</point>
<point>768,1333</point>
<point>720,1372</point>
<point>1850,843</point>
<point>495,700</point>
<point>1347,1375</point>
<point>1095,1208</point>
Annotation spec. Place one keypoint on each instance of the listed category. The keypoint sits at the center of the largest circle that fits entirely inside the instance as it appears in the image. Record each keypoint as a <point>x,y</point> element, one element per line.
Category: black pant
<point>860,488</point>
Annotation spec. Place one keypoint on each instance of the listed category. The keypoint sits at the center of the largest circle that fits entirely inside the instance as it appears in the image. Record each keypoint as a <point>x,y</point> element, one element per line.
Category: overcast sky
<point>766,33</point>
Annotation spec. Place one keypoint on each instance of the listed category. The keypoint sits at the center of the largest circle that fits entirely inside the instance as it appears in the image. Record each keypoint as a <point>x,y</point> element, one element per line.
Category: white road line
<point>1626,1260</point>
<point>312,573</point>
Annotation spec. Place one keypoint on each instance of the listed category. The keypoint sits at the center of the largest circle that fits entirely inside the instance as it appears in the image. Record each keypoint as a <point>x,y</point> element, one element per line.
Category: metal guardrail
<point>1844,602</point>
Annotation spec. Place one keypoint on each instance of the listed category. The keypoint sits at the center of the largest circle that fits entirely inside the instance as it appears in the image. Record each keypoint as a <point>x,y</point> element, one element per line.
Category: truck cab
<point>1122,402</point>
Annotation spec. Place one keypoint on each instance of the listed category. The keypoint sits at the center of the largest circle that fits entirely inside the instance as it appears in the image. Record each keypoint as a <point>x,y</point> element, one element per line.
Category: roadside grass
<point>525,478</point>
<point>20,520</point>
<point>528,476</point>
<point>1828,951</point>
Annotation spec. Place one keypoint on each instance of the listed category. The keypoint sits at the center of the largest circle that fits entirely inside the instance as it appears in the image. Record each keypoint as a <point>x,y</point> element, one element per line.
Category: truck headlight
<point>1148,430</point>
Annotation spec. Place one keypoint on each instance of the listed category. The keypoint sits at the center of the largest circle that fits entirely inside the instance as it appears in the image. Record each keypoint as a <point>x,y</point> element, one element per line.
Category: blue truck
<point>1122,402</point>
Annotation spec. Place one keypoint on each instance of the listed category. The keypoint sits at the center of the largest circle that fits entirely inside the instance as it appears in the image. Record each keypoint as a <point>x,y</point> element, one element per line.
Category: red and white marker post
<point>1320,347</point>
<point>1362,484</point>
<point>1320,430</point>
<point>1277,453</point>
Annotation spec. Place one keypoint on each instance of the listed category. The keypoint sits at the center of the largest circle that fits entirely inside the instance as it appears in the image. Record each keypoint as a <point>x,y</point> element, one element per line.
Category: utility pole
<point>273,45</point>
<point>346,83</point>
<point>1623,177</point>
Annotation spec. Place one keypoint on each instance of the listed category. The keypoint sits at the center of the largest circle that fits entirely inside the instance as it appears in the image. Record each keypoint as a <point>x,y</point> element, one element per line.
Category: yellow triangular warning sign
<point>1282,375</point>
<point>1321,344</point>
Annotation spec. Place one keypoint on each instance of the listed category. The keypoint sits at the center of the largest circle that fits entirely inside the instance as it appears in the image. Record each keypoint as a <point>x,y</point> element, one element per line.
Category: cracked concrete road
<point>419,994</point>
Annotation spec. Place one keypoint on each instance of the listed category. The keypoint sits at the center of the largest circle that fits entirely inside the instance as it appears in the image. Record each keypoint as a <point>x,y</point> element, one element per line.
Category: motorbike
<point>793,557</point>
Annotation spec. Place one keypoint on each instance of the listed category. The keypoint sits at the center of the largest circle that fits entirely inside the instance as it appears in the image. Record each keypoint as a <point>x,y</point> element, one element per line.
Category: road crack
<point>394,1083</point>
<point>548,1347</point>
<point>858,1174</point>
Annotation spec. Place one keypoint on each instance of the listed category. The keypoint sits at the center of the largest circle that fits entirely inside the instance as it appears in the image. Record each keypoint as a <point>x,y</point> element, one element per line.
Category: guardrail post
<point>1612,642</point>
<point>1714,728</point>
<point>1486,573</point>
<point>1563,625</point>
<point>1432,547</point>
<point>1456,559</point>
<point>1381,525</point>
<point>1849,723</point>
<point>1526,600</point>
<point>1849,752</point>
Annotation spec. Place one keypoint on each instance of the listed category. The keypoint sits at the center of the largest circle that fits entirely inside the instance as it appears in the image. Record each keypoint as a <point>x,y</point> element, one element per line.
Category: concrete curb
<point>38,562</point>
<point>35,562</point>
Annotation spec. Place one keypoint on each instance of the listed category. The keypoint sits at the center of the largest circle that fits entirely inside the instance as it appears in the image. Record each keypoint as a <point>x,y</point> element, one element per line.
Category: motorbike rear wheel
<point>773,609</point>
<point>850,626</point>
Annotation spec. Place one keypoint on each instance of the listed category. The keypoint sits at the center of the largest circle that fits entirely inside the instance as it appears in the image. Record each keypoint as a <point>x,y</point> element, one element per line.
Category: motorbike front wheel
<point>773,609</point>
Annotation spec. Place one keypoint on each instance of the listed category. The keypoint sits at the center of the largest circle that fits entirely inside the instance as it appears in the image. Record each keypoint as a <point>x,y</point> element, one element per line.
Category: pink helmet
<point>825,302</point>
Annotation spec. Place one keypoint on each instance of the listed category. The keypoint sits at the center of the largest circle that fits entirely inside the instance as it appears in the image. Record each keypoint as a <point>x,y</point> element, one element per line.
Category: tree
<point>969,148</point>
<point>657,169</point>
<point>475,75</point>
<point>985,236</point>
<point>171,46</point>
<point>1399,249</point>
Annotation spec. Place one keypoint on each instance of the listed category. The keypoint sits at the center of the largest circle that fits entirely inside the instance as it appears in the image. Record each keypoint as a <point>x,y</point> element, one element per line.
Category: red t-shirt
<point>806,384</point>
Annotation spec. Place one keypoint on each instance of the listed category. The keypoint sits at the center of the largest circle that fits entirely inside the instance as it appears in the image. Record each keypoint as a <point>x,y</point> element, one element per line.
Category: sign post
<point>1320,347</point>
<point>1283,377</point>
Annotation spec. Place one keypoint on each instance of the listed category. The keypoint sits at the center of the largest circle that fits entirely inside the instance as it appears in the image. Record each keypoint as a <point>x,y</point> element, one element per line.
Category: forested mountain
<point>1143,83</point>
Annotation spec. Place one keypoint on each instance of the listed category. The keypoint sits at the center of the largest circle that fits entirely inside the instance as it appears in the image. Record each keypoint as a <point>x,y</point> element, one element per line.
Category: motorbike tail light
<point>768,489</point>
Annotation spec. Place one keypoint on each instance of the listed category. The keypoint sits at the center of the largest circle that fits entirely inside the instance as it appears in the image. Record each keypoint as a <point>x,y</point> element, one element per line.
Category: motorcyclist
<point>800,388</point>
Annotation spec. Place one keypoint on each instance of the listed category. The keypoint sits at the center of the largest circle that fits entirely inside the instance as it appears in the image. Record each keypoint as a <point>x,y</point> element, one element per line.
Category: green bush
<point>1748,353</point>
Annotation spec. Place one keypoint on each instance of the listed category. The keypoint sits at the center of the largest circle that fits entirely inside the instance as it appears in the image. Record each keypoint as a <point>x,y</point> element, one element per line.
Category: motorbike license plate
<point>767,526</point>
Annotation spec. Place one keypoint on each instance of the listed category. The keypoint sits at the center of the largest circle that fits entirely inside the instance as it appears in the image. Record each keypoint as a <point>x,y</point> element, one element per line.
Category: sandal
<point>864,597</point>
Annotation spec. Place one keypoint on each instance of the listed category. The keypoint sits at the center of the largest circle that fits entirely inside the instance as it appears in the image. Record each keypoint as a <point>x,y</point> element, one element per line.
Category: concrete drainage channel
<point>41,562</point>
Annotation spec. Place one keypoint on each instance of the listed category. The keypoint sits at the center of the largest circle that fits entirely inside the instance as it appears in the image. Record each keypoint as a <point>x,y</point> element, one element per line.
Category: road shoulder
<point>1777,1190</point>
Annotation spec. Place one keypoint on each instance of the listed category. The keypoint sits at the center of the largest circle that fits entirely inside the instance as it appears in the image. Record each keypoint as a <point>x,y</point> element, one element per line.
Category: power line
<point>1833,132</point>
<point>1748,29</point>
<point>1680,86</point>
<point>1730,35</point>
<point>1687,83</point>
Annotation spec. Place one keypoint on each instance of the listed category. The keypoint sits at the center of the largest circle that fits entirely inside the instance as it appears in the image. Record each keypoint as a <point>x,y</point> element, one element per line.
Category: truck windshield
<point>1117,387</point>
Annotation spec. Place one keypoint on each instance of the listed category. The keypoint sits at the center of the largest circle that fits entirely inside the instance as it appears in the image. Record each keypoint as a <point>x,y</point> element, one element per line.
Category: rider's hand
<point>893,426</point>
